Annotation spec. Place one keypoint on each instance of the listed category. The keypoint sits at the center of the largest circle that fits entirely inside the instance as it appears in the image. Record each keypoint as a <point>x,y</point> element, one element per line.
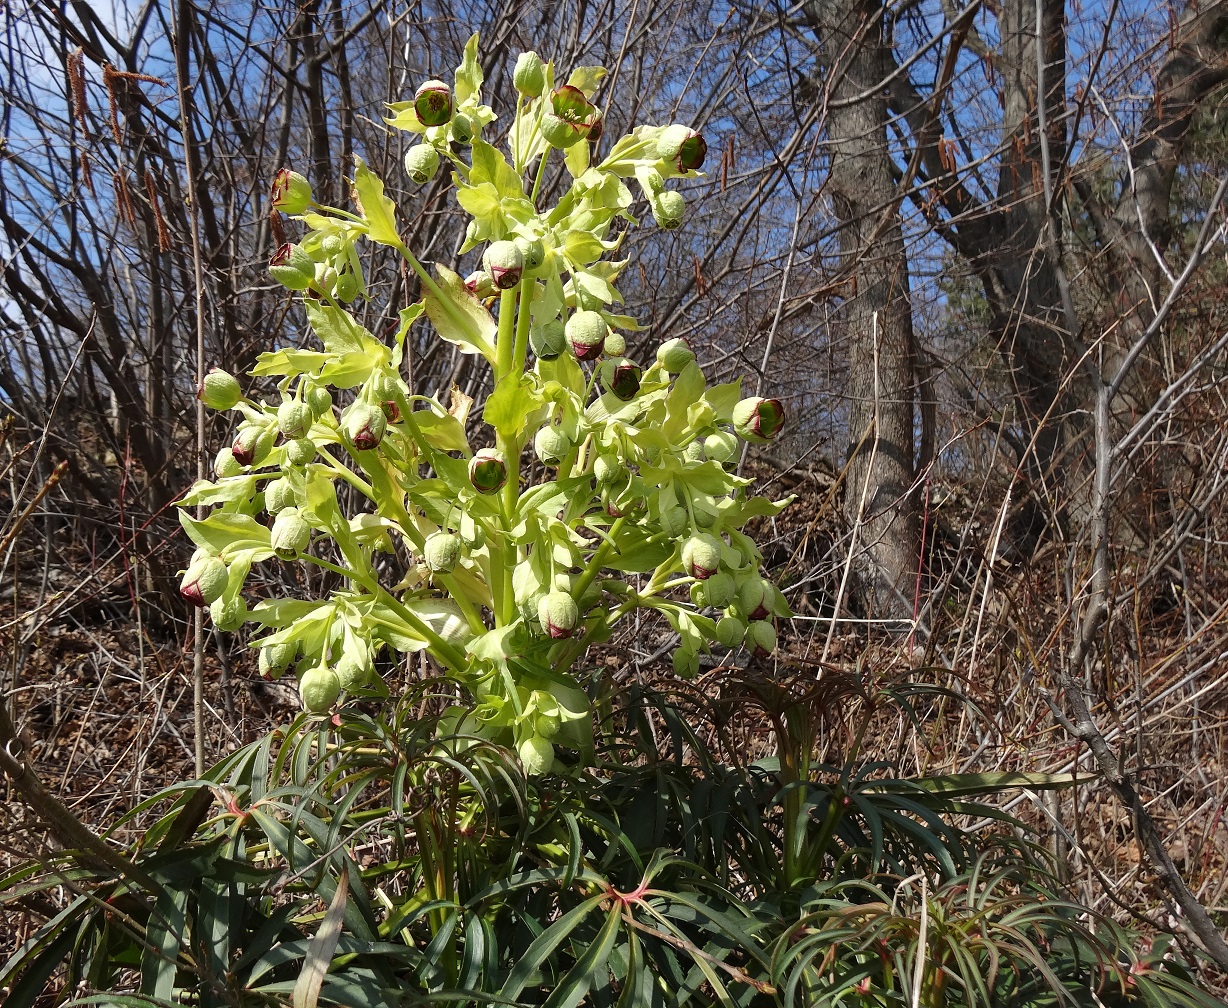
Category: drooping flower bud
<point>730,631</point>
<point>675,354</point>
<point>225,464</point>
<point>721,446</point>
<point>319,399</point>
<point>433,103</point>
<point>300,451</point>
<point>252,444</point>
<point>529,77</point>
<point>276,658</point>
<point>720,589</point>
<point>220,390</point>
<point>596,127</point>
<point>674,521</point>
<point>761,638</point>
<point>365,426</point>
<point>533,250</point>
<point>292,267</point>
<point>758,420</point>
<point>421,163</point>
<point>487,470</point>
<point>279,495</point>
<point>694,452</point>
<point>481,284</point>
<point>753,598</point>
<point>353,672</point>
<point>682,147</point>
<point>504,261</point>
<point>442,551</point>
<point>332,246</point>
<point>294,418</point>
<point>668,209</point>
<point>551,445</point>
<point>607,469</point>
<point>586,333</point>
<point>347,287</point>
<point>549,339</point>
<point>228,614</point>
<point>569,118</point>
<point>318,689</point>
<point>701,556</point>
<point>462,128</point>
<point>558,613</point>
<point>290,535</point>
<point>622,377</point>
<point>291,192</point>
<point>204,581</point>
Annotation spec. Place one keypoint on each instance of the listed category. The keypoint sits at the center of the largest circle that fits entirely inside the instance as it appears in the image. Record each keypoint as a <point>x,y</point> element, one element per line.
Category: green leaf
<point>587,79</point>
<point>226,532</point>
<point>376,208</point>
<point>320,952</point>
<point>462,320</point>
<point>969,784</point>
<point>289,362</point>
<point>167,925</point>
<point>469,75</point>
<point>544,945</point>
<point>489,165</point>
<point>513,399</point>
<point>224,491</point>
<point>591,968</point>
<point>443,432</point>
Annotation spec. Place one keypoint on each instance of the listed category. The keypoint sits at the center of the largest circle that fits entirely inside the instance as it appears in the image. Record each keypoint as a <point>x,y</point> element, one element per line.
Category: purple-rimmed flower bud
<point>675,354</point>
<point>548,340</point>
<point>220,390</point>
<point>279,495</point>
<point>559,614</point>
<point>504,261</point>
<point>529,77</point>
<point>596,127</point>
<point>753,598</point>
<point>551,445</point>
<point>481,284</point>
<point>204,581</point>
<point>761,638</point>
<point>392,412</point>
<point>291,192</point>
<point>294,418</point>
<point>586,333</point>
<point>318,689</point>
<point>622,377</point>
<point>533,250</point>
<point>320,400</point>
<point>252,445</point>
<point>487,470</point>
<point>682,147</point>
<point>292,267</point>
<point>668,209</point>
<point>720,589</point>
<point>608,469</point>
<point>433,103</point>
<point>721,446</point>
<point>701,556</point>
<point>365,426</point>
<point>300,451</point>
<point>225,464</point>
<point>730,631</point>
<point>228,614</point>
<point>442,551</point>
<point>290,535</point>
<point>758,420</point>
<point>276,658</point>
<point>569,118</point>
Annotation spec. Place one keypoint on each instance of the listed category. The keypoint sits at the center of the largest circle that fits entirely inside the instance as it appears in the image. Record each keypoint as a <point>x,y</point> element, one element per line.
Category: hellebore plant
<point>510,581</point>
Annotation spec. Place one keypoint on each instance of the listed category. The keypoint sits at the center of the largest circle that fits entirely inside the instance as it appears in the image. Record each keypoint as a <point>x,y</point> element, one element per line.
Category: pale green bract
<point>630,481</point>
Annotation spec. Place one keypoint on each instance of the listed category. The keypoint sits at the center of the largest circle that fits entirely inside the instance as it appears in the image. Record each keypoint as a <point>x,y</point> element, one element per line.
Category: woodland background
<point>978,251</point>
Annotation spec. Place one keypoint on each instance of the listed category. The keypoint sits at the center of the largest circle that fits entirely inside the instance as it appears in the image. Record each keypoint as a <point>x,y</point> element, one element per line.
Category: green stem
<point>541,173</point>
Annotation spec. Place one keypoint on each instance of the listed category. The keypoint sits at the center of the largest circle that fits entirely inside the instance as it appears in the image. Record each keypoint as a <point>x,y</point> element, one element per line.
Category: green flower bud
<point>758,420</point>
<point>319,399</point>
<point>504,261</point>
<point>481,285</point>
<point>721,446</point>
<point>586,333</point>
<point>291,192</point>
<point>701,556</point>
<point>570,118</point>
<point>761,638</point>
<point>559,614</point>
<point>326,278</point>
<point>608,468</point>
<point>290,535</point>
<point>615,344</point>
<point>332,245</point>
<point>300,451</point>
<point>675,354</point>
<point>694,452</point>
<point>730,631</point>
<point>220,390</point>
<point>318,689</point>
<point>433,103</point>
<point>487,471</point>
<point>668,209</point>
<point>536,755</point>
<point>551,445</point>
<point>228,614</point>
<point>462,129</point>
<point>225,464</point>
<point>753,598</point>
<point>442,551</point>
<point>699,597</point>
<point>682,147</point>
<point>675,522</point>
<point>276,658</point>
<point>529,77</point>
<point>347,288</point>
<point>533,250</point>
<point>204,581</point>
<point>622,378</point>
<point>686,663</point>
<point>294,418</point>
<point>292,267</point>
<point>365,426</point>
<point>353,673</point>
<point>279,495</point>
<point>720,590</point>
<point>252,444</point>
<point>548,340</point>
